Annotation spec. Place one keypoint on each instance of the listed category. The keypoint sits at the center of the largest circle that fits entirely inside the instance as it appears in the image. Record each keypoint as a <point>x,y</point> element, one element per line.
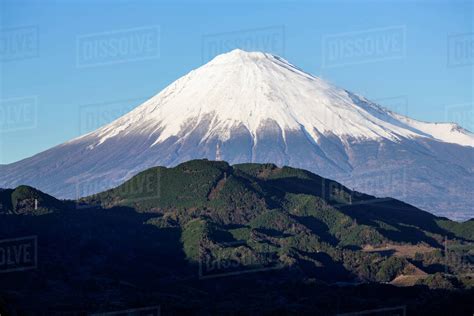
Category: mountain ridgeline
<point>186,229</point>
<point>27,200</point>
<point>254,107</point>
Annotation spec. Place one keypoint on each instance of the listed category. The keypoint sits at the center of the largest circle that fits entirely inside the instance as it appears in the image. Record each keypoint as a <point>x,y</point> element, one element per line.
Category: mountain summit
<point>257,107</point>
<point>248,91</point>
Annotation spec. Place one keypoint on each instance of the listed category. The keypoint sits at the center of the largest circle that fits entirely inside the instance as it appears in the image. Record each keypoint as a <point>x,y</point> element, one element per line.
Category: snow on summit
<point>247,89</point>
<point>256,107</point>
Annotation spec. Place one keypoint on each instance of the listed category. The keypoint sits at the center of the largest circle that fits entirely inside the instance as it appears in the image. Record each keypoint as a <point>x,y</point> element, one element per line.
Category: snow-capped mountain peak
<point>251,89</point>
<point>257,107</point>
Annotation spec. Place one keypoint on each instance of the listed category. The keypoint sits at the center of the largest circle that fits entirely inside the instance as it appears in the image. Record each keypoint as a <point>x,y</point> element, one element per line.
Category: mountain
<point>240,194</point>
<point>255,107</point>
<point>27,200</point>
<point>206,237</point>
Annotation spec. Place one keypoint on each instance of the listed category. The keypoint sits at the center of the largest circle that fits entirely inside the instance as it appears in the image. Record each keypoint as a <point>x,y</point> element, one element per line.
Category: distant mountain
<point>236,238</point>
<point>255,107</point>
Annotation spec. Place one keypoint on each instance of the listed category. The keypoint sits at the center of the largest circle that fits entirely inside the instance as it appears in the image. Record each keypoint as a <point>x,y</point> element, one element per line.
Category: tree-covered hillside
<point>204,225</point>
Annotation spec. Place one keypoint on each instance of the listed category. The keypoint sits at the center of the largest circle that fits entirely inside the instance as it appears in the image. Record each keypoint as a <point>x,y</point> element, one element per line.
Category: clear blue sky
<point>60,87</point>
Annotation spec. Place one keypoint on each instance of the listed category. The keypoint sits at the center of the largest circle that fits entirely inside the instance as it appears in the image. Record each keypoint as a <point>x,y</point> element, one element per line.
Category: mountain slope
<point>208,231</point>
<point>28,200</point>
<point>245,191</point>
<point>255,107</point>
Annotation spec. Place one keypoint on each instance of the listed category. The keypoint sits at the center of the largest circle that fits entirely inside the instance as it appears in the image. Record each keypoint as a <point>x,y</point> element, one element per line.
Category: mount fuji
<point>256,107</point>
